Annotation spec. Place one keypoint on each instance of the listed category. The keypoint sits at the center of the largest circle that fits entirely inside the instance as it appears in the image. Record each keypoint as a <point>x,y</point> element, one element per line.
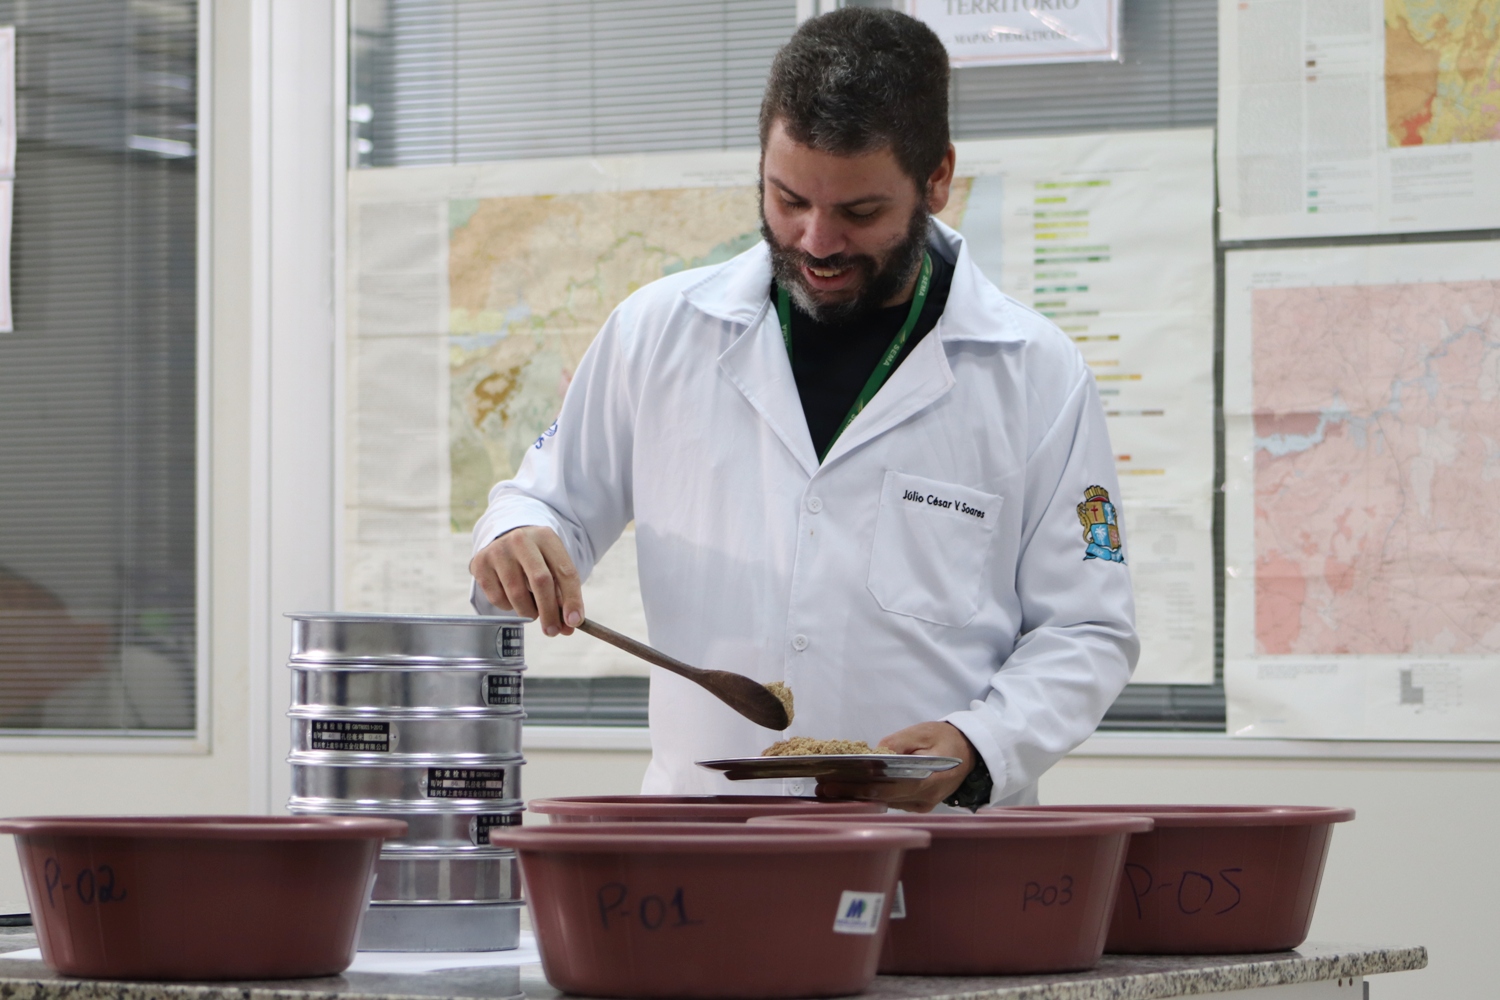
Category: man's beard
<point>878,283</point>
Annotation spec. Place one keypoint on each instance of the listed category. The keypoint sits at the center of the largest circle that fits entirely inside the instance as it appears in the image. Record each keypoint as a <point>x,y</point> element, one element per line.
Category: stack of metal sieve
<point>417,717</point>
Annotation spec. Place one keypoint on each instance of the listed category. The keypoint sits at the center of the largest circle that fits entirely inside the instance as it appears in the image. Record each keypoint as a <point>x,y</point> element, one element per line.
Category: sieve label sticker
<point>480,826</point>
<point>465,783</point>
<point>508,642</point>
<point>898,904</point>
<point>346,734</point>
<point>858,913</point>
<point>502,689</point>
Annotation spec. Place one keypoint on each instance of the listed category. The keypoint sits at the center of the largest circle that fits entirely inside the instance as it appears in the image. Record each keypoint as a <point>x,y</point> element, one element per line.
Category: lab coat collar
<point>739,292</point>
<point>758,365</point>
<point>976,309</point>
<point>756,362</point>
<point>920,380</point>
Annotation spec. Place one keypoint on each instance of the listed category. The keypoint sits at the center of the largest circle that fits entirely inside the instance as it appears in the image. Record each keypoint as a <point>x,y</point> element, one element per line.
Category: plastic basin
<point>694,910</point>
<point>999,895</point>
<point>1218,879</point>
<point>690,808</point>
<point>200,897</point>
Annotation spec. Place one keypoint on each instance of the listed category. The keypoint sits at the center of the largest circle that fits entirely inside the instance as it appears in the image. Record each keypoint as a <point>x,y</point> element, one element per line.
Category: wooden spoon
<point>747,697</point>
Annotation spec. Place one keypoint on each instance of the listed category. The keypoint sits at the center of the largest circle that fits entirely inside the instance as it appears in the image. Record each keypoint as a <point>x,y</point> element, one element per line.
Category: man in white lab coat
<point>854,465</point>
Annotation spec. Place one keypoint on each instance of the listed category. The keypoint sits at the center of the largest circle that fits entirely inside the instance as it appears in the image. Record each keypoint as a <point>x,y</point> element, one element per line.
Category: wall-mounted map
<point>531,281</point>
<point>477,290</point>
<point>1442,71</point>
<point>1362,404</point>
<point>1346,117</point>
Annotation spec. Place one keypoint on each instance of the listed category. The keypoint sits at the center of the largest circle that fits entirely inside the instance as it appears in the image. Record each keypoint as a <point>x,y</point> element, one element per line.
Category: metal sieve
<point>475,690</point>
<point>492,878</point>
<point>466,826</point>
<point>354,780</point>
<point>347,637</point>
<point>316,733</point>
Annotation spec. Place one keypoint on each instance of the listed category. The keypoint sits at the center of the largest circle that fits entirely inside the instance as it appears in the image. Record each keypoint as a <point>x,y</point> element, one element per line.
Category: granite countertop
<point>1118,977</point>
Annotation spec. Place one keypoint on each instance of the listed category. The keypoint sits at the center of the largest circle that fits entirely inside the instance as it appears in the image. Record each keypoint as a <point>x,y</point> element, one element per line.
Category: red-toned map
<point>1377,469</point>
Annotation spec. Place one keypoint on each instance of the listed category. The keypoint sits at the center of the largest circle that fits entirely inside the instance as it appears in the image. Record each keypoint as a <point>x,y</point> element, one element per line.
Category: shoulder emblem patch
<point>542,438</point>
<point>1101,526</point>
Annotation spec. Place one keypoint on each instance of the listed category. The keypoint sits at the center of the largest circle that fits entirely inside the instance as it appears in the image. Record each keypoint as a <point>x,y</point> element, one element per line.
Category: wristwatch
<point>976,789</point>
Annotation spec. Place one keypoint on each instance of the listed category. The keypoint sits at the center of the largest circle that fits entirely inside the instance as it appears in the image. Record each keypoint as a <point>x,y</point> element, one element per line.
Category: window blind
<point>97,383</point>
<point>1168,79</point>
<point>463,81</point>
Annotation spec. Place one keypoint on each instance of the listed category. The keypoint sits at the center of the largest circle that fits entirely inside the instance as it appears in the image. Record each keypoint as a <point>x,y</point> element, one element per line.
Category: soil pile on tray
<point>805,746</point>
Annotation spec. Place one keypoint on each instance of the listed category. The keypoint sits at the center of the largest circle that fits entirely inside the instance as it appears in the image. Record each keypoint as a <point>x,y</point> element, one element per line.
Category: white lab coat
<point>851,580</point>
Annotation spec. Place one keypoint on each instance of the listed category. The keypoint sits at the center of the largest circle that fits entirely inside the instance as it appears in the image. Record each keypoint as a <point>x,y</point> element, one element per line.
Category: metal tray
<point>873,767</point>
<point>344,637</point>
<point>338,784</point>
<point>405,738</point>
<point>494,877</point>
<point>440,831</point>
<point>445,927</point>
<point>476,690</point>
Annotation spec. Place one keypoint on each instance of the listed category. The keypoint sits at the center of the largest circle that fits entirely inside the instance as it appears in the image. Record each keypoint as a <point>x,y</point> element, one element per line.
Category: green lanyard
<point>887,362</point>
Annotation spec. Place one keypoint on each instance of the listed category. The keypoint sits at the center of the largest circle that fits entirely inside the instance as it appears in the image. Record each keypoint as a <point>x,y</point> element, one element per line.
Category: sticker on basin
<point>898,904</point>
<point>343,734</point>
<point>859,912</point>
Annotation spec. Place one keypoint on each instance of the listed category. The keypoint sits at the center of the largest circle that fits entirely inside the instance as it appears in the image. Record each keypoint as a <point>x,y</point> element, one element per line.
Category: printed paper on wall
<point>1362,397</point>
<point>1019,32</point>
<point>1347,117</point>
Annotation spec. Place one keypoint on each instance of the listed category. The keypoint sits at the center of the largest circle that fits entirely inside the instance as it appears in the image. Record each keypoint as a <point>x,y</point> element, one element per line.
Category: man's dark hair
<point>861,79</point>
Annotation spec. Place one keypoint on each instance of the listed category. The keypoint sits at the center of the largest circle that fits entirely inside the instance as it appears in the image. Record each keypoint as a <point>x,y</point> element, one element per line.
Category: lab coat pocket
<point>932,542</point>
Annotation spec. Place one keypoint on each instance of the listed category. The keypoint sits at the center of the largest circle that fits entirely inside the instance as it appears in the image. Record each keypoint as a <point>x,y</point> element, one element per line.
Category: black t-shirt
<point>832,362</point>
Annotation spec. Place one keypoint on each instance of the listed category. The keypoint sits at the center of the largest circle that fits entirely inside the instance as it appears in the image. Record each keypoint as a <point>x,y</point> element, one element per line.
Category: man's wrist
<point>977,787</point>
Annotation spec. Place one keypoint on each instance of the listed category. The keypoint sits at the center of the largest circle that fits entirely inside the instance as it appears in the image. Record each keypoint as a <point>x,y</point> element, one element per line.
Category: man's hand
<point>528,571</point>
<point>939,739</point>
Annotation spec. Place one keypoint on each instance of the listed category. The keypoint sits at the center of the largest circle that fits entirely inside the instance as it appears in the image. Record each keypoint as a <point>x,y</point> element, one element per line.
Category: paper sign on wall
<point>1111,236</point>
<point>1018,32</point>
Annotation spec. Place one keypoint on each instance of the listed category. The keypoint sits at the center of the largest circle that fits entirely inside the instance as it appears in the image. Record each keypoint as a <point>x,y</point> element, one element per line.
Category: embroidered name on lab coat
<point>933,500</point>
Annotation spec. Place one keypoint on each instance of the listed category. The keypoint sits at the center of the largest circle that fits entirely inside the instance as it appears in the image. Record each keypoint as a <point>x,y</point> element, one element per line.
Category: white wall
<point>1420,864</point>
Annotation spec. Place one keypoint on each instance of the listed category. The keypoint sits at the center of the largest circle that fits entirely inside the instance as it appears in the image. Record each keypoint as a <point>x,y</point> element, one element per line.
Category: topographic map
<point>1376,468</point>
<point>531,281</point>
<point>1442,71</point>
<point>477,289</point>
